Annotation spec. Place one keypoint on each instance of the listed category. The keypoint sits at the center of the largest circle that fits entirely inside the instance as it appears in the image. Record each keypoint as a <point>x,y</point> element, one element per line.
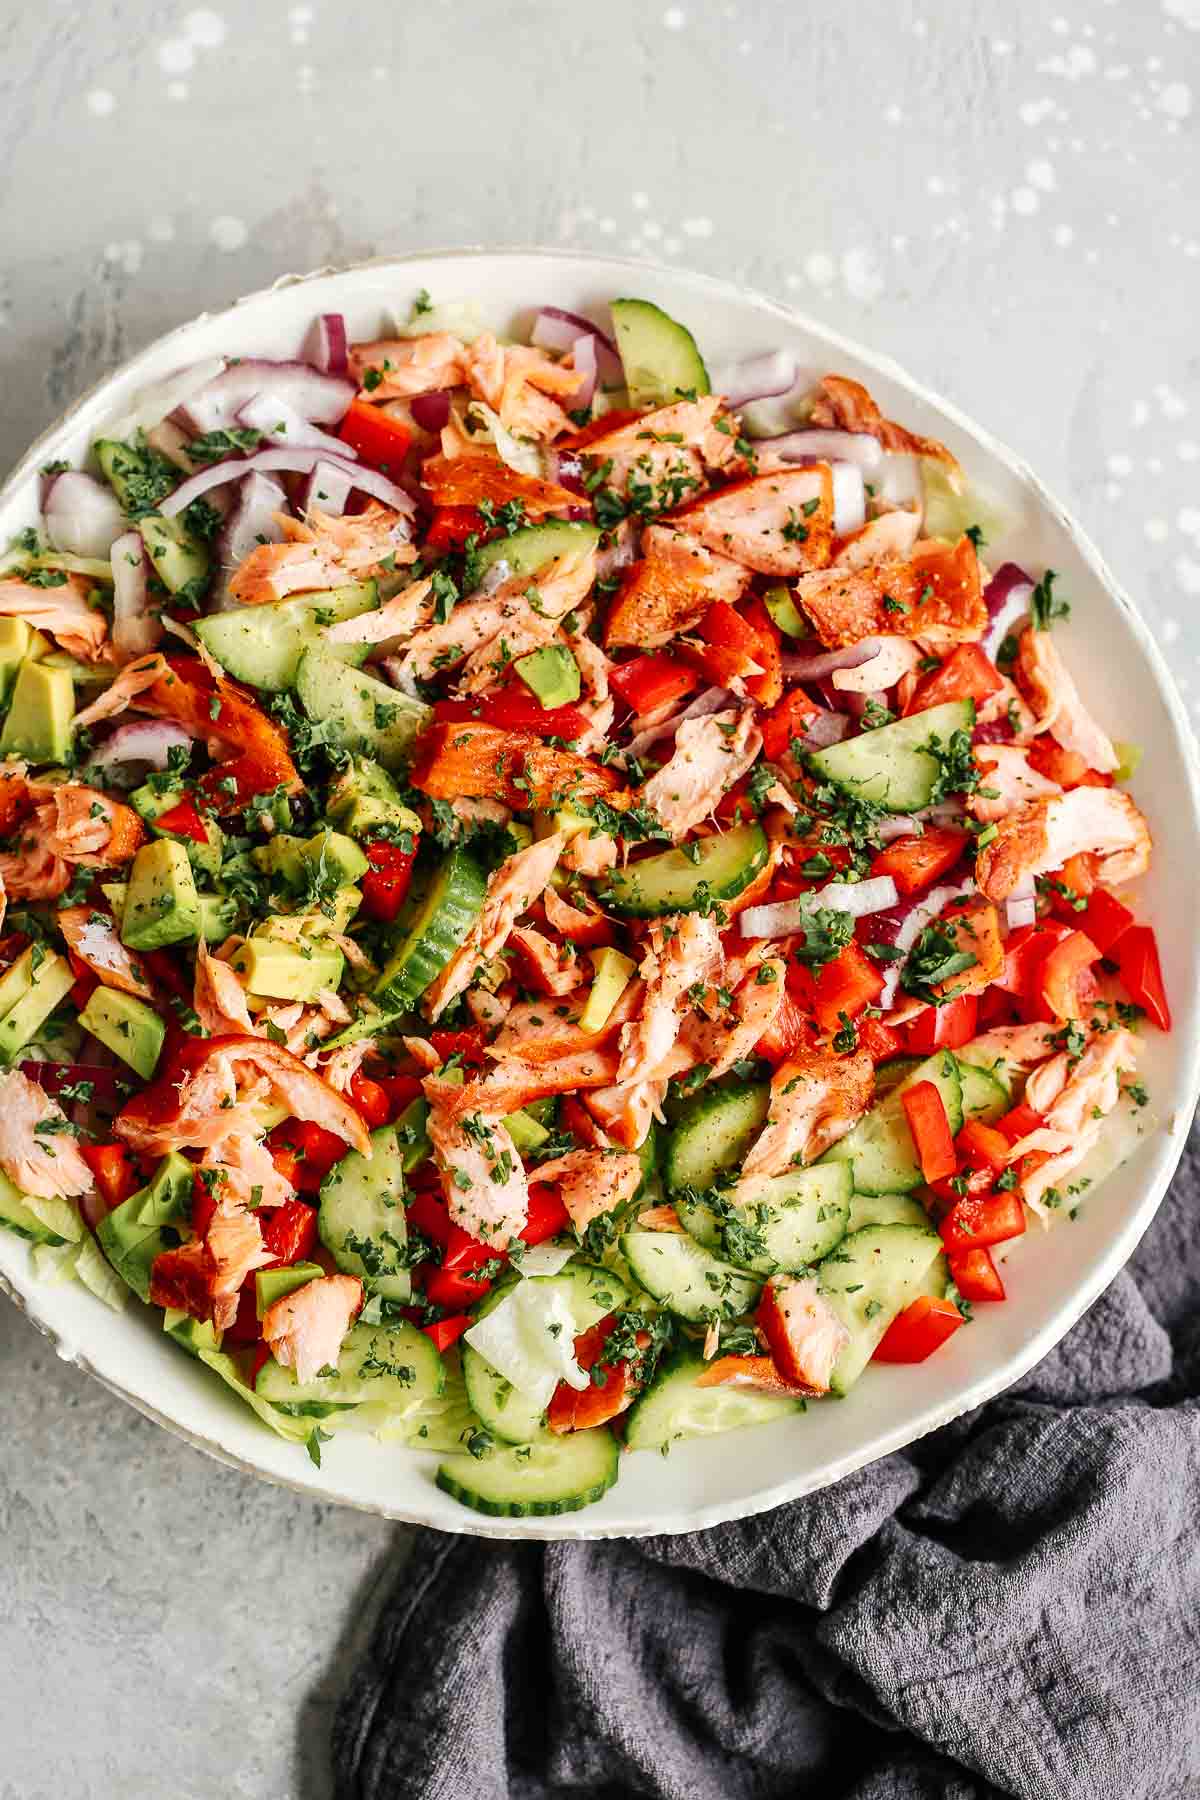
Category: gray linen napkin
<point>1011,1606</point>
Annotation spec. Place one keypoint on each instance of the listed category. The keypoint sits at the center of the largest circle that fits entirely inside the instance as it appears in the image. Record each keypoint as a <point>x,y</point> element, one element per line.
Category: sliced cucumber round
<point>892,766</point>
<point>790,1222</point>
<point>689,1280</point>
<point>362,714</point>
<point>262,645</point>
<point>986,1093</point>
<point>885,1209</point>
<point>393,1366</point>
<point>658,354</point>
<point>529,550</point>
<point>362,1220</point>
<point>442,915</point>
<point>673,1407</point>
<point>712,869</point>
<point>869,1279</point>
<point>713,1133</point>
<point>556,1475</point>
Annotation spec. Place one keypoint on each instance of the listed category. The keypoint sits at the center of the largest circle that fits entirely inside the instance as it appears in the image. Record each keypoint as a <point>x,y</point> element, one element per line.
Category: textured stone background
<point>1000,193</point>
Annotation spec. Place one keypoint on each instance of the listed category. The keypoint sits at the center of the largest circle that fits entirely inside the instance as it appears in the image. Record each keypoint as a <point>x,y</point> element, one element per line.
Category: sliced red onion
<point>903,925</point>
<point>83,516</point>
<point>824,729</point>
<point>431,411</point>
<point>898,825</point>
<point>755,377</point>
<point>1006,596</point>
<point>1007,577</point>
<point>781,918</point>
<point>583,356</point>
<point>900,480</point>
<point>1019,912</point>
<point>327,489</point>
<point>280,423</point>
<point>323,399</point>
<point>400,677</point>
<point>133,749</point>
<point>857,703</point>
<point>159,401</point>
<point>325,346</point>
<point>296,462</point>
<point>996,731</point>
<point>711,700</point>
<point>800,667</point>
<point>856,447</point>
<point>251,522</point>
<point>135,628</point>
<point>554,329</point>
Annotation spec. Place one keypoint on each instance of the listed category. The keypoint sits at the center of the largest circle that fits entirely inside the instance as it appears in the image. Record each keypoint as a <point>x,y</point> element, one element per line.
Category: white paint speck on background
<point>1120,464</point>
<point>177,90</point>
<point>161,229</point>
<point>176,56</point>
<point>1188,452</point>
<point>819,268</point>
<point>228,233</point>
<point>1175,100</point>
<point>862,275</point>
<point>1187,574</point>
<point>1188,521</point>
<point>205,28</point>
<point>697,228</point>
<point>1186,11</point>
<point>1157,530</point>
<point>674,18</point>
<point>639,201</point>
<point>1040,174</point>
<point>100,103</point>
<point>1025,200</point>
<point>1064,235</point>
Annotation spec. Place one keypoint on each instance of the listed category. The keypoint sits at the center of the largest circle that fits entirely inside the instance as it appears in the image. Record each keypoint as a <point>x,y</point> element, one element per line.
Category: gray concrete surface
<point>999,192</point>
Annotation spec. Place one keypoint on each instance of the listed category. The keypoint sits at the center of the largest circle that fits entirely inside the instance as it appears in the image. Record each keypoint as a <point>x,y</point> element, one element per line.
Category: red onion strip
<point>755,377</point>
<point>323,399</point>
<point>298,462</point>
<point>325,347</point>
<point>135,628</point>
<point>814,668</point>
<point>280,423</point>
<point>554,329</point>
<point>856,447</point>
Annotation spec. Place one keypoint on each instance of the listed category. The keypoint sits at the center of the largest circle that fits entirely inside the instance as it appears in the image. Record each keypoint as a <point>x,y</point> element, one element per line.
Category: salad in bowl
<point>557,901</point>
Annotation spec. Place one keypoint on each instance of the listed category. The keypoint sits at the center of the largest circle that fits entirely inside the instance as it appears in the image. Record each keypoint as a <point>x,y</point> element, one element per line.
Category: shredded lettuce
<point>1131,760</point>
<point>948,515</point>
<point>96,1273</point>
<point>461,318</point>
<point>59,1216</point>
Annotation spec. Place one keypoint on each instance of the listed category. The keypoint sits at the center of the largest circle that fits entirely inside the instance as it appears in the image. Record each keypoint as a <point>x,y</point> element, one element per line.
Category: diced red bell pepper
<point>848,984</point>
<point>315,1149</point>
<point>247,1326</point>
<point>1105,920</point>
<point>547,1215</point>
<point>401,1091</point>
<point>387,881</point>
<point>379,437</point>
<point>975,1275</point>
<point>467,1044</point>
<point>455,1289</point>
<point>183,820</point>
<point>983,1146</point>
<point>942,1027</point>
<point>915,863</point>
<point>1067,984</point>
<point>918,1331</point>
<point>791,1027</point>
<point>1067,767</point>
<point>85,983</point>
<point>648,682</point>
<point>444,1332</point>
<point>428,1214</point>
<point>1019,1122</point>
<point>786,721</point>
<point>1141,974</point>
<point>1079,874</point>
<point>289,1231</point>
<point>723,628</point>
<point>516,709</point>
<point>287,1165</point>
<point>878,1040</point>
<point>371,1099</point>
<point>204,1205</point>
<point>766,688</point>
<point>926,1114</point>
<point>968,673</point>
<point>114,1172</point>
<point>983,1219</point>
<point>451,526</point>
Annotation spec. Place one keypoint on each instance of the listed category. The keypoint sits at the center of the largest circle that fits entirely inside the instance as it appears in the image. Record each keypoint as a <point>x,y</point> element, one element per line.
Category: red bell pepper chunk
<point>371,1099</point>
<point>515,709</point>
<point>916,863</point>
<point>1019,1121</point>
<point>204,1205</point>
<point>786,721</point>
<point>287,1165</point>
<point>722,628</point>
<point>1067,767</point>
<point>968,673</point>
<point>428,1214</point>
<point>547,1215</point>
<point>926,1114</point>
<point>848,984</point>
<point>315,1150</point>
<point>444,1332</point>
<point>247,1326</point>
<point>289,1231</point>
<point>468,1044</point>
<point>918,1331</point>
<point>183,820</point>
<point>975,1275</point>
<point>766,688</point>
<point>983,1146</point>
<point>983,1219</point>
<point>115,1174</point>
<point>451,526</point>
<point>401,1091</point>
<point>878,1040</point>
<point>455,1289</point>
<point>379,437</point>
<point>387,881</point>
<point>1141,974</point>
<point>1105,920</point>
<point>791,1027</point>
<point>1067,985</point>
<point>648,682</point>
<point>942,1027</point>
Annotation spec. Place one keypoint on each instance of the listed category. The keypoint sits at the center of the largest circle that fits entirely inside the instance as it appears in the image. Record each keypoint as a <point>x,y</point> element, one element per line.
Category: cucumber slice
<point>936,1281</point>
<point>880,1148</point>
<point>535,1481</point>
<point>792,1221</point>
<point>886,1209</point>
<point>672,1406</point>
<point>442,916</point>
<point>713,1133</point>
<point>529,550</point>
<point>390,1366</point>
<point>722,867</point>
<point>986,1093</point>
<point>363,714</point>
<point>362,1221</point>
<point>175,556</point>
<point>689,1280</point>
<point>501,1408</point>
<point>891,1073</point>
<point>872,1276</point>
<point>16,1216</point>
<point>262,645</point>
<point>891,766</point>
<point>591,1292</point>
<point>658,354</point>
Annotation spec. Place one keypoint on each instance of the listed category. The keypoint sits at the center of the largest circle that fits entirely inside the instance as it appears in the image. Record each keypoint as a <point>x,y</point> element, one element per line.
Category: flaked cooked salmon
<point>1043,834</point>
<point>511,891</point>
<point>776,524</point>
<point>816,1097</point>
<point>1047,684</point>
<point>65,611</point>
<point>398,368</point>
<point>669,589</point>
<point>711,755</point>
<point>1009,782</point>
<point>592,1182</point>
<point>933,594</point>
<point>304,1330</point>
<point>92,936</point>
<point>37,1151</point>
<point>681,951</point>
<point>846,405</point>
<point>483,1178</point>
<point>322,552</point>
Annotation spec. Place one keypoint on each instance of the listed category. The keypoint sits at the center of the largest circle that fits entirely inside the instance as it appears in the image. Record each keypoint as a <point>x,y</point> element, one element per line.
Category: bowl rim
<point>1122,1243</point>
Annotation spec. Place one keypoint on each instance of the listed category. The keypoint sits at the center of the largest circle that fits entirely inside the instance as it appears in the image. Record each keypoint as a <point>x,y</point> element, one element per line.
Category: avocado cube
<point>364,797</point>
<point>176,558</point>
<point>524,1130</point>
<point>194,1334</point>
<point>303,927</point>
<point>14,648</point>
<point>16,981</point>
<point>279,971</point>
<point>38,725</point>
<point>51,980</point>
<point>612,971</point>
<point>135,1232</point>
<point>551,673</point>
<point>161,904</point>
<point>271,1285</point>
<point>218,912</point>
<point>786,613</point>
<point>205,858</point>
<point>328,857</point>
<point>126,1026</point>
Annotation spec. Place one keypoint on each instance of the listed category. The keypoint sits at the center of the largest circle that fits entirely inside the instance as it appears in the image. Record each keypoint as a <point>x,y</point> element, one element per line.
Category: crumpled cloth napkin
<point>1010,1606</point>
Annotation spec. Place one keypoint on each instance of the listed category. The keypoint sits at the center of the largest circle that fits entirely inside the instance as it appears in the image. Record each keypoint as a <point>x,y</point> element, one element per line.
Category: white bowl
<point>1052,1278</point>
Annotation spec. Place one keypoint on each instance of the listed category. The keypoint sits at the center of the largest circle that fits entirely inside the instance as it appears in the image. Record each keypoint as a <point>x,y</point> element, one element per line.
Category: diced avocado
<point>14,648</point>
<point>139,476</point>
<point>415,1147</point>
<point>138,1230</point>
<point>525,1131</point>
<point>328,857</point>
<point>40,646</point>
<point>16,981</point>
<point>286,971</point>
<point>51,980</point>
<point>38,725</point>
<point>95,675</point>
<point>303,927</point>
<point>263,644</point>
<point>194,1334</point>
<point>272,1284</point>
<point>16,1216</point>
<point>218,916</point>
<point>364,797</point>
<point>206,857</point>
<point>175,556</point>
<point>126,1026</point>
<point>551,673</point>
<point>785,612</point>
<point>161,905</point>
<point>612,973</point>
